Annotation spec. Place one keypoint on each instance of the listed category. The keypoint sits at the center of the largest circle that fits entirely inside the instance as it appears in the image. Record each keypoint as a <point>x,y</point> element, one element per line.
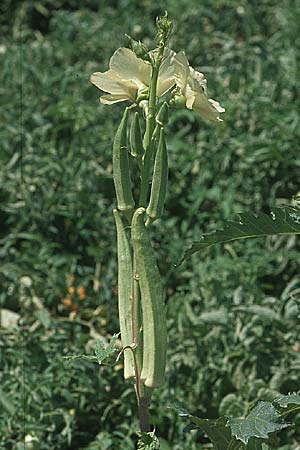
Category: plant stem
<point>143,393</point>
<point>150,124</point>
<point>143,412</point>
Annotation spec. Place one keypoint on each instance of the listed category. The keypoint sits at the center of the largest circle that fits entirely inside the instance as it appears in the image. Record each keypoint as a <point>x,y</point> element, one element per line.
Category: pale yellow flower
<point>193,87</point>
<point>128,75</point>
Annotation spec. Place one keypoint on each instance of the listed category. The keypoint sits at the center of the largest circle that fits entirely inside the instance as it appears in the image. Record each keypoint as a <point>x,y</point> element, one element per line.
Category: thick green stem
<point>150,125</point>
<point>143,411</point>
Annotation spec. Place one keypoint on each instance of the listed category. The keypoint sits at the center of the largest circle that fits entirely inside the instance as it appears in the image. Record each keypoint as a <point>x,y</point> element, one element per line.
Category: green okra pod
<point>125,285</point>
<point>136,142</point>
<point>159,180</point>
<point>152,299</point>
<point>162,117</point>
<point>161,120</point>
<point>121,170</point>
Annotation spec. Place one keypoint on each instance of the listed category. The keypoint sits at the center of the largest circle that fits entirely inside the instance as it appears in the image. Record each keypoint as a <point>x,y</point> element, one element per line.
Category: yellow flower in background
<point>81,292</point>
<point>128,75</point>
<point>71,290</point>
<point>193,88</point>
<point>67,302</point>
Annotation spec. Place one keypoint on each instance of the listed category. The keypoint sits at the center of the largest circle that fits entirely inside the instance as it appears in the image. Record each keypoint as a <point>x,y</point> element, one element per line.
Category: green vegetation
<point>233,310</point>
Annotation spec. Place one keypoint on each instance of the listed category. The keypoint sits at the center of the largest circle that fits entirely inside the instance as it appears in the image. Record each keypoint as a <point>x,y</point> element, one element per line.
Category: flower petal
<point>190,96</point>
<point>166,76</point>
<point>182,70</point>
<point>198,81</point>
<point>129,67</point>
<point>109,99</point>
<point>110,82</point>
<point>207,108</point>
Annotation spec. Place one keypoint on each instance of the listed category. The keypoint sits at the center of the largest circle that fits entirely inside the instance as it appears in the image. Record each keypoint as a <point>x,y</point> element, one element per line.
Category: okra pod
<point>152,300</point>
<point>161,120</point>
<point>159,180</point>
<point>121,170</point>
<point>125,285</point>
<point>136,142</point>
<point>162,117</point>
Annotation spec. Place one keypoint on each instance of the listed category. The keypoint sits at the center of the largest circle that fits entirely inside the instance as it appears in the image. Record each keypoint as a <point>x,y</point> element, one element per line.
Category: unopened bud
<point>178,100</point>
<point>139,49</point>
<point>164,28</point>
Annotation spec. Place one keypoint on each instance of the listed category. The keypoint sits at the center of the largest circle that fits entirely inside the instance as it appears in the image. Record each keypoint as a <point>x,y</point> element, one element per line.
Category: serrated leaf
<point>261,421</point>
<point>288,400</point>
<point>147,441</point>
<point>215,429</point>
<point>217,432</point>
<point>282,221</point>
<point>103,351</point>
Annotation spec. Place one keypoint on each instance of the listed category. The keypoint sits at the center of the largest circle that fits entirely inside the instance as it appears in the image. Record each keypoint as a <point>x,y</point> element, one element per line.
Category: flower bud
<point>178,100</point>
<point>139,49</point>
<point>164,28</point>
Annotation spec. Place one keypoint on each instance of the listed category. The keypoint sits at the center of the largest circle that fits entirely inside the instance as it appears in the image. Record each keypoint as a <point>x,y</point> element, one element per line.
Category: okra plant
<point>151,81</point>
<point>154,82</point>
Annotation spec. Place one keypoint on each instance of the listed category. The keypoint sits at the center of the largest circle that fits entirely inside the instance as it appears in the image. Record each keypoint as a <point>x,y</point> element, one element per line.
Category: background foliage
<point>233,312</point>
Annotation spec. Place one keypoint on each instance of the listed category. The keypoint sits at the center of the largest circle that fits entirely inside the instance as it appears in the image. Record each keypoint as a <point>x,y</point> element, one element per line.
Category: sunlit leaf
<point>261,421</point>
<point>288,401</point>
<point>103,351</point>
<point>282,221</point>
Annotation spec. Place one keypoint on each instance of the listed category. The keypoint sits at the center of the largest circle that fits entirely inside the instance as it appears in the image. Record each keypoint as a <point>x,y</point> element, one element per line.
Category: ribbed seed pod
<point>121,167</point>
<point>153,308</point>
<point>159,180</point>
<point>125,283</point>
<point>162,117</point>
<point>136,142</point>
<point>138,320</point>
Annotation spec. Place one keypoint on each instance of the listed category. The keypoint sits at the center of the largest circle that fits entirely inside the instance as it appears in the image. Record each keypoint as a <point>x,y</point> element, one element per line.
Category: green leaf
<point>6,403</point>
<point>216,430</point>
<point>43,317</point>
<point>291,399</point>
<point>147,441</point>
<point>262,420</point>
<point>254,444</point>
<point>282,221</point>
<point>264,313</point>
<point>103,352</point>
<point>288,402</point>
<point>84,357</point>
